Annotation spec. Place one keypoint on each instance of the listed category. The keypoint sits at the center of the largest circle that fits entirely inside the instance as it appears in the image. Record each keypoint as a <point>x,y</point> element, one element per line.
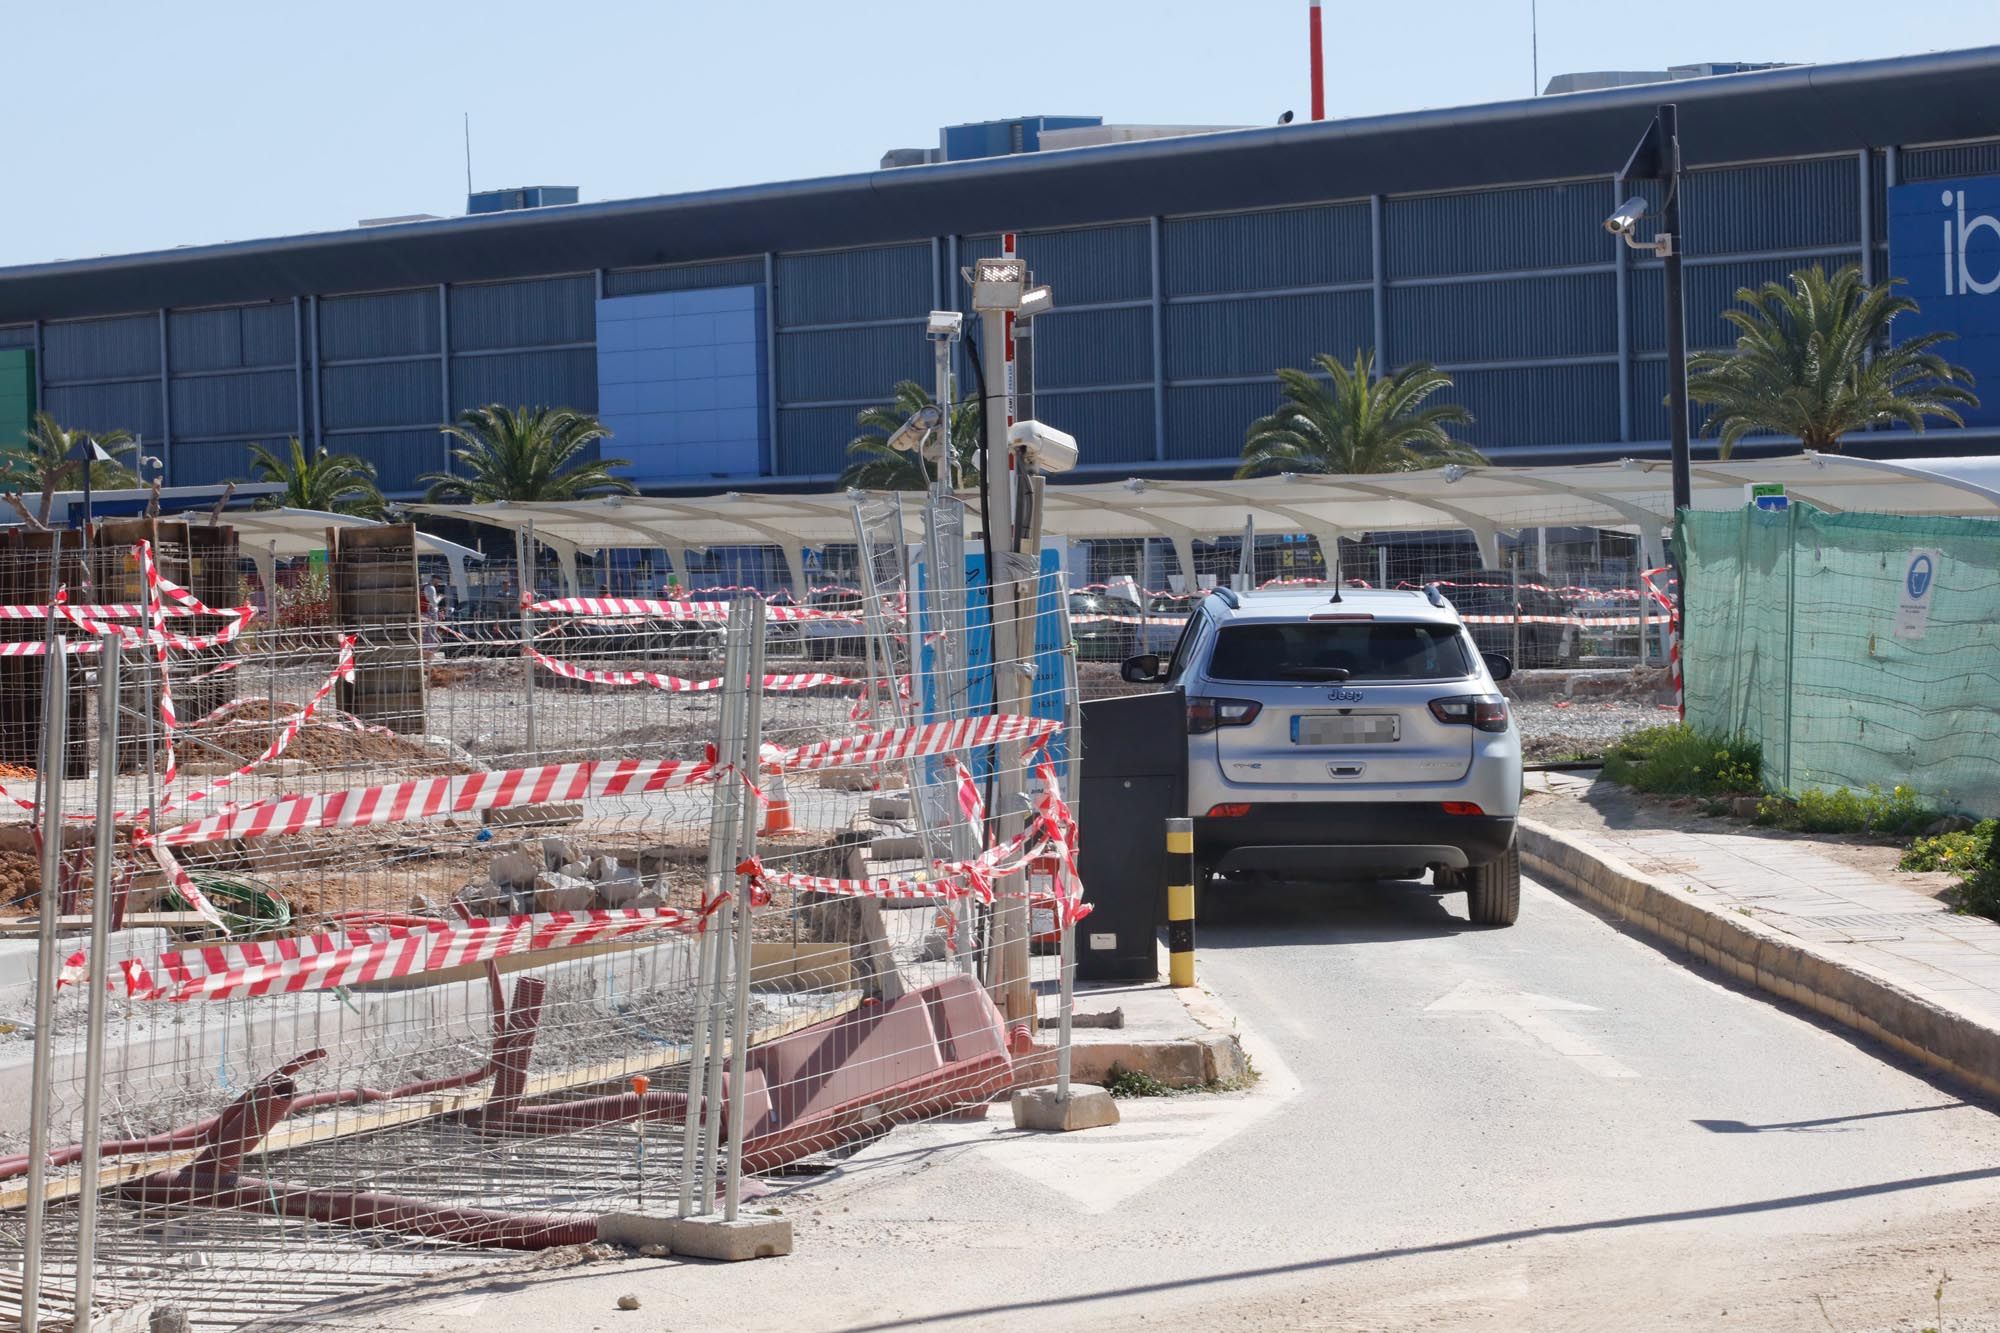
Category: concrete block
<point>1178,1064</point>
<point>635,1229</point>
<point>1222,1058</point>
<point>1085,1108</point>
<point>888,807</point>
<point>745,1238</point>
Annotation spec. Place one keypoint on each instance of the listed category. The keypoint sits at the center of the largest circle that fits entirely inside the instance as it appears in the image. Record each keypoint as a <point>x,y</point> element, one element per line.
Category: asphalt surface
<point>1549,1126</point>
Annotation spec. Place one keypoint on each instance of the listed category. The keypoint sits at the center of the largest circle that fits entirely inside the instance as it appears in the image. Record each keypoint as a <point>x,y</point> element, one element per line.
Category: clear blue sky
<point>137,125</point>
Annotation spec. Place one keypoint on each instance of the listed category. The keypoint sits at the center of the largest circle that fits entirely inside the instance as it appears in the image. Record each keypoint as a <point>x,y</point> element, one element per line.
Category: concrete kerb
<point>1847,992</point>
<point>1209,1053</point>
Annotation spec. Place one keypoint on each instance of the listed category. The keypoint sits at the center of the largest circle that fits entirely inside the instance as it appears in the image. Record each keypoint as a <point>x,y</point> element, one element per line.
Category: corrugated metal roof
<point>1797,111</point>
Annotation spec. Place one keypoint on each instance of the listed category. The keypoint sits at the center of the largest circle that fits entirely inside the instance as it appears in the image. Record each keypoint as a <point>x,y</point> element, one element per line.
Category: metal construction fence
<point>1858,649</point>
<point>336,950</point>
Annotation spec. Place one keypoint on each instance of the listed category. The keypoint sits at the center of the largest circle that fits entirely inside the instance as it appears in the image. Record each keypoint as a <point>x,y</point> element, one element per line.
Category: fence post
<point>55,728</point>
<point>724,818</point>
<point>752,685</point>
<point>103,873</point>
<point>524,551</point>
<point>1180,902</point>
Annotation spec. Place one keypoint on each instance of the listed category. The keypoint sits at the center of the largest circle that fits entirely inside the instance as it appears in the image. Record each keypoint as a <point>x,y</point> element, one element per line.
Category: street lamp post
<point>1658,157</point>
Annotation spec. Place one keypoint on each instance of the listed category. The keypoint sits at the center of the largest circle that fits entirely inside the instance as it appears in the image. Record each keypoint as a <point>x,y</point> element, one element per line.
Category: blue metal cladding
<point>1257,335</point>
<point>1710,289</point>
<point>400,457</point>
<point>842,286</point>
<point>354,328</point>
<point>1110,426</point>
<point>133,406</point>
<point>1537,405</point>
<point>1085,266</point>
<point>1208,421</point>
<point>1649,405</point>
<point>392,393</point>
<point>1572,315</point>
<point>1093,347</point>
<point>204,463</point>
<point>230,338</point>
<point>1965,159</point>
<point>1247,252</point>
<point>18,335</point>
<point>1772,206</point>
<point>812,441</point>
<point>261,403</point>
<point>684,277</point>
<point>1493,231</point>
<point>851,364</point>
<point>523,314</point>
<point>557,378</point>
<point>101,349</point>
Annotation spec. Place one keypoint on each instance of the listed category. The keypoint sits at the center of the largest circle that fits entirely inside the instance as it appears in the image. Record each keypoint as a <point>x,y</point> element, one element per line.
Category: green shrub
<point>1675,760</point>
<point>1843,811</point>
<point>1979,892</point>
<point>1961,851</point>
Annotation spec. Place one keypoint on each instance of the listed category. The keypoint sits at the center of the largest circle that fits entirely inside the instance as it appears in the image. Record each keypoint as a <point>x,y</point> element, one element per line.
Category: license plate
<point>1346,728</point>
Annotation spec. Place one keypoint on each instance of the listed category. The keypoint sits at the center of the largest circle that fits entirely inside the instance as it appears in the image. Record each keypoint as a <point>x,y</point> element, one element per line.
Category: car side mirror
<point>1498,665</point>
<point>1141,670</point>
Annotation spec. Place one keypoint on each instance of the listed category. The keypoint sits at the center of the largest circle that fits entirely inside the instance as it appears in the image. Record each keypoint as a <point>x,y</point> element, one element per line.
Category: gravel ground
<point>1564,730</point>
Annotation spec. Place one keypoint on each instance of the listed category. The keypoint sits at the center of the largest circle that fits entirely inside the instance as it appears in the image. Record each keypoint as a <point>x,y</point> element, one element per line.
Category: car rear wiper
<point>1314,673</point>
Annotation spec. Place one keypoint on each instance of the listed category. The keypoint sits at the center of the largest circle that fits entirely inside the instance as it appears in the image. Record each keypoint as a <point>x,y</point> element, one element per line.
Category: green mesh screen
<point>1790,642</point>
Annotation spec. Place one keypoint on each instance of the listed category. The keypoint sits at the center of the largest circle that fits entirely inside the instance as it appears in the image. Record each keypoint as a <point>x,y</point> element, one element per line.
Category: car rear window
<point>1315,650</point>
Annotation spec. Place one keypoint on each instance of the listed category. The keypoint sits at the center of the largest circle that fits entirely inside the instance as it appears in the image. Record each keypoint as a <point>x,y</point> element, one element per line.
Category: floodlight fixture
<point>1035,301</point>
<point>911,434</point>
<point>997,283</point>
<point>946,324</point>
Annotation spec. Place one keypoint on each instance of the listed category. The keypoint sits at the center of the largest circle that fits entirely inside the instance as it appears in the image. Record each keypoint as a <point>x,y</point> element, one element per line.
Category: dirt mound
<point>324,739</point>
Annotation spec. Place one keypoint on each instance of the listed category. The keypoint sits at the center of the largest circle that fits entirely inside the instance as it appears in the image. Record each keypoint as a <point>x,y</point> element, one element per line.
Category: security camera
<point>912,433</point>
<point>1046,447</point>
<point>945,323</point>
<point>1627,217</point>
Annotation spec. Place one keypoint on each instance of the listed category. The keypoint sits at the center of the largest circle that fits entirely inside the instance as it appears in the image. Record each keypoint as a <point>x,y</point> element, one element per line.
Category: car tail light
<point>1488,712</point>
<point>1205,715</point>
<point>1462,808</point>
<point>1235,810</point>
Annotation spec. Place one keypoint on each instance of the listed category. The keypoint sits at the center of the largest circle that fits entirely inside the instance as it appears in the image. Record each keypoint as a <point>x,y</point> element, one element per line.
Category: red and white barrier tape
<point>651,608</point>
<point>804,680</point>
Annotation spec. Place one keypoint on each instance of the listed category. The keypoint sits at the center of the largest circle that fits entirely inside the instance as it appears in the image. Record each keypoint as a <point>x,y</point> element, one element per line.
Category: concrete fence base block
<point>745,1238</point>
<point>1044,1109</point>
<point>635,1229</point>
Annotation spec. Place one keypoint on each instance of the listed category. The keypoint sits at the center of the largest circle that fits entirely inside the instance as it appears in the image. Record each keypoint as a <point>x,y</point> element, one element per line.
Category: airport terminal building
<point>730,336</point>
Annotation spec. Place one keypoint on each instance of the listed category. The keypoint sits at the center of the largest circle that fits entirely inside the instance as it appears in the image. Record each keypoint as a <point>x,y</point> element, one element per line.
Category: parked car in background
<point>1106,628</point>
<point>1488,600</point>
<point>1166,616</point>
<point>834,638</point>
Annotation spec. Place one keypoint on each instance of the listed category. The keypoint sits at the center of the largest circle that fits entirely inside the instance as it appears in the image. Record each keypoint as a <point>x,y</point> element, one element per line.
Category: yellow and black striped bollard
<point>1180,902</point>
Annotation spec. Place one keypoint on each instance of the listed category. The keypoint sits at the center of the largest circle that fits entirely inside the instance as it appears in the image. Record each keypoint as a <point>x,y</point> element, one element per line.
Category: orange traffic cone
<point>778,811</point>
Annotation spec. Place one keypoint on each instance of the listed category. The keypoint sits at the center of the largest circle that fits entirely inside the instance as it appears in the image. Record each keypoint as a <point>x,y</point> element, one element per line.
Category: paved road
<point>1552,1126</point>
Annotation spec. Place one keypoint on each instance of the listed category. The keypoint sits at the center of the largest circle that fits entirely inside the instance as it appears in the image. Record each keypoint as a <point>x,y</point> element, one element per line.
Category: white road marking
<point>1531,1013</point>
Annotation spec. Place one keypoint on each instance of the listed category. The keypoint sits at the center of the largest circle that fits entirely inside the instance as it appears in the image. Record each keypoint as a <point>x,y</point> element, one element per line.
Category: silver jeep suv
<point>1348,735</point>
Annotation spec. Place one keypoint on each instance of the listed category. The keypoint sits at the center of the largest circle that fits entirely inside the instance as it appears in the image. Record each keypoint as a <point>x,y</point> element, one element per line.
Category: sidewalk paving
<point>1856,919</point>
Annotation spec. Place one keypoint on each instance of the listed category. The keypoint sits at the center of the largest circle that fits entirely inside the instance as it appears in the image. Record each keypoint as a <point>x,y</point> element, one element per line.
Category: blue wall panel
<point>385,324</point>
<point>563,378</point>
<point>261,403</point>
<point>1709,290</point>
<point>17,335</point>
<point>396,393</point>
<point>1572,315</point>
<point>1084,266</point>
<point>1649,407</point>
<point>1109,426</point>
<point>1092,347</point>
<point>400,457</point>
<point>1292,247</point>
<point>1490,231</point>
<point>684,277</point>
<point>851,363</point>
<point>842,286</point>
<point>1773,206</point>
<point>682,382</point>
<point>106,407</point>
<point>97,349</point>
<point>523,314</point>
<point>1256,336</point>
<point>230,338</point>
<point>1968,159</point>
<point>1537,405</point>
<point>1209,420</point>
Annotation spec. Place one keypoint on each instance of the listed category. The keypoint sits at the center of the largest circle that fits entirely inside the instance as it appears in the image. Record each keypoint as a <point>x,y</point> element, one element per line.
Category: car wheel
<point>1493,891</point>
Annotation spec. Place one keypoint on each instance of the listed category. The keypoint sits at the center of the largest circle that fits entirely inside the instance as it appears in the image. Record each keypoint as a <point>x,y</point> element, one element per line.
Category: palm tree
<point>877,467</point>
<point>42,462</point>
<point>334,483</point>
<point>526,453</point>
<point>1815,360</point>
<point>1357,424</point>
